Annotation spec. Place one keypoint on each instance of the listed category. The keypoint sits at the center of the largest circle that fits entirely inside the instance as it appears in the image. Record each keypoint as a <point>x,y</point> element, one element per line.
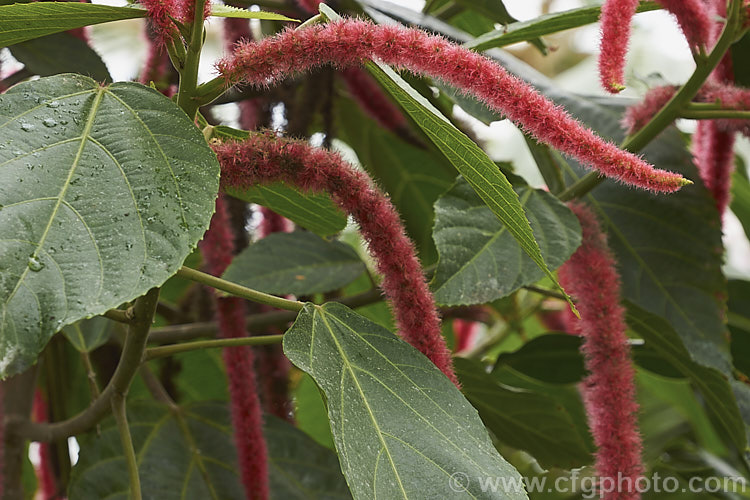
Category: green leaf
<point>400,426</point>
<point>720,402</point>
<point>88,334</point>
<point>189,453</point>
<point>299,263</point>
<point>553,358</point>
<point>464,154</point>
<point>60,53</point>
<point>300,468</point>
<point>480,261</point>
<point>218,10</point>
<point>543,25</point>
<point>413,177</point>
<point>25,21</point>
<point>496,11</point>
<point>529,418</point>
<point>97,204</point>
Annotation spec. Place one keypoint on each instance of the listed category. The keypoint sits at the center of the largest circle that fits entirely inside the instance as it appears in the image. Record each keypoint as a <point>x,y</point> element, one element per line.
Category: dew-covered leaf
<point>104,191</point>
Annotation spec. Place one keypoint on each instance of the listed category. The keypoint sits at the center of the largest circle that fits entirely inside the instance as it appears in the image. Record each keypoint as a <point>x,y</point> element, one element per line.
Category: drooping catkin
<point>264,158</point>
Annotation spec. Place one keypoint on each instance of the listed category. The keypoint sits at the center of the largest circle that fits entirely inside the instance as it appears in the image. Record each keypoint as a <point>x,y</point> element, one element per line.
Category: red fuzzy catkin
<point>608,392</point>
<point>349,42</point>
<point>692,16</point>
<point>309,6</point>
<point>161,13</point>
<point>218,250</point>
<point>265,158</point>
<point>615,23</point>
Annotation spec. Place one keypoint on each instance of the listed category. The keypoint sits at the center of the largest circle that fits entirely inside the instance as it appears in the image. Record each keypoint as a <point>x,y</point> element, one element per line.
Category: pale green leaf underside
<point>401,428</point>
<point>103,193</point>
<point>479,260</point>
<point>189,454</point>
<point>24,21</point>
<point>299,263</point>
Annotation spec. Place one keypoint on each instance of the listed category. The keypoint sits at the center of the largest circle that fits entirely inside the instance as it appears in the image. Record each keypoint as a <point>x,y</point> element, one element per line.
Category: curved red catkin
<point>218,250</point>
<point>265,158</point>
<point>692,16</point>
<point>713,153</point>
<point>349,42</point>
<point>615,23</point>
<point>608,392</point>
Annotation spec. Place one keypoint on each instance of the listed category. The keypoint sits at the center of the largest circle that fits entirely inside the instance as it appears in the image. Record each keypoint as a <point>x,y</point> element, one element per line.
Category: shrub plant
<point>339,294</point>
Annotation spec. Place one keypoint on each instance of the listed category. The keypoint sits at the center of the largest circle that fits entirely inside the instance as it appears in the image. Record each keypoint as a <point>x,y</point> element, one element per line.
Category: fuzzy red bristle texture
<point>349,42</point>
<point>218,250</point>
<point>615,35</point>
<point>590,276</point>
<point>264,158</point>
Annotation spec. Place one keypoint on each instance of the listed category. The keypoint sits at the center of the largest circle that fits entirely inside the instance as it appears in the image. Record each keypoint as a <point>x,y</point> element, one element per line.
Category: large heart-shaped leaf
<point>188,453</point>
<point>401,428</point>
<point>298,263</point>
<point>550,426</point>
<point>97,203</point>
<point>480,261</point>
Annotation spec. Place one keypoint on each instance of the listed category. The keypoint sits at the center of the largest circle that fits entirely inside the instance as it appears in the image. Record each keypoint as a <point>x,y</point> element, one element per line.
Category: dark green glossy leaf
<point>400,426</point>
<point>413,177</point>
<point>715,388</point>
<point>739,53</point>
<point>298,263</point>
<point>543,25</point>
<point>60,53</point>
<point>480,261</point>
<point>189,454</point>
<point>88,334</point>
<point>97,204</point>
<point>496,11</point>
<point>529,418</point>
<point>24,21</point>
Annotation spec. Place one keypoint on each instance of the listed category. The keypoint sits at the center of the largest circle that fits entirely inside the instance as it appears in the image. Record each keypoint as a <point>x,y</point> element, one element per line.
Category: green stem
<point>130,360</point>
<point>189,73</point>
<point>120,414</point>
<point>239,290</point>
<point>207,92</point>
<point>672,109</point>
<point>693,113</point>
<point>170,350</point>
